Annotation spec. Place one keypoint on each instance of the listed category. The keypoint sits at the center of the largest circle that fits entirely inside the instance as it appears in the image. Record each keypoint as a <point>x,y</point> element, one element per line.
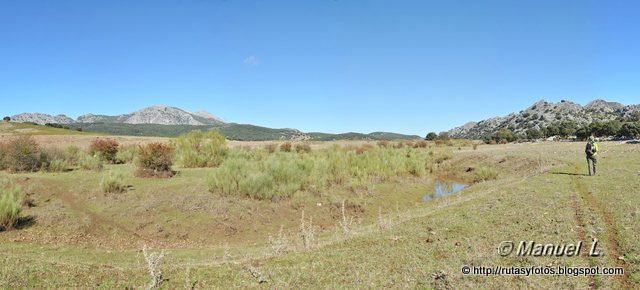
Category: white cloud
<point>251,60</point>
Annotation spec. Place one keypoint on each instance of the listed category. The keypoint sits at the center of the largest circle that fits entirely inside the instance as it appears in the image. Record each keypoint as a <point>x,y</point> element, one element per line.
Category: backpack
<point>589,149</point>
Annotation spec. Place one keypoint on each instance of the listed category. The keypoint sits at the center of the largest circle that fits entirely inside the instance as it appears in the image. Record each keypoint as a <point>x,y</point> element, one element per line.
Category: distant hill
<point>41,119</point>
<point>231,131</point>
<point>542,114</point>
<point>165,121</point>
<point>14,128</point>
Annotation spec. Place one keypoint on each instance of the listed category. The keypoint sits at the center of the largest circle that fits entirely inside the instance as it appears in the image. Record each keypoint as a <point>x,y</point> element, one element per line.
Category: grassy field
<point>376,234</point>
<point>11,128</point>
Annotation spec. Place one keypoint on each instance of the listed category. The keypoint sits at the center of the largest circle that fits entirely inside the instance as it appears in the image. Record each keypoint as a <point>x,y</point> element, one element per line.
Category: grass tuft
<point>112,183</point>
<point>11,200</point>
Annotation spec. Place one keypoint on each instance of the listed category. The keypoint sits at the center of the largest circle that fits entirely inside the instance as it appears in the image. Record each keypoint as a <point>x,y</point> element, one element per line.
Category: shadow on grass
<point>24,222</point>
<point>570,173</point>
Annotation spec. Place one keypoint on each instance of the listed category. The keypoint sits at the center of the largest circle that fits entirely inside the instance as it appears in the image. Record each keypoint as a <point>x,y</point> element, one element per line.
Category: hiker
<point>591,150</point>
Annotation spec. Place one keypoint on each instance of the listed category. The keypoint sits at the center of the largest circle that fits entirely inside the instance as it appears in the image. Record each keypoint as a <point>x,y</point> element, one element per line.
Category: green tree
<point>505,134</point>
<point>567,128</point>
<point>431,136</point>
<point>533,134</point>
<point>552,130</point>
<point>630,130</point>
<point>6,119</point>
<point>583,133</point>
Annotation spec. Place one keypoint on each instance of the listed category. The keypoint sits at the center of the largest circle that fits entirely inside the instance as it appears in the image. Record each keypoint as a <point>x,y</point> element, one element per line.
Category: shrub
<point>199,149</point>
<point>363,148</point>
<point>285,147</point>
<point>108,148</point>
<point>90,162</point>
<point>112,183</point>
<point>57,165</point>
<point>3,153</point>
<point>71,155</point>
<point>278,176</point>
<point>256,174</point>
<point>11,200</point>
<point>271,148</point>
<point>420,144</point>
<point>21,154</point>
<point>126,155</point>
<point>484,173</point>
<point>154,160</point>
<point>303,148</point>
<point>6,119</point>
<point>383,143</point>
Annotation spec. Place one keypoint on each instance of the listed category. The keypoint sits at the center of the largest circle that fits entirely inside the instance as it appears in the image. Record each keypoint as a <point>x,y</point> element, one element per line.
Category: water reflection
<point>443,189</point>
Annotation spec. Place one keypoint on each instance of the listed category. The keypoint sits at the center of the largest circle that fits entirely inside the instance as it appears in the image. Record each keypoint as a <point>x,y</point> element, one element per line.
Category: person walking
<point>591,150</point>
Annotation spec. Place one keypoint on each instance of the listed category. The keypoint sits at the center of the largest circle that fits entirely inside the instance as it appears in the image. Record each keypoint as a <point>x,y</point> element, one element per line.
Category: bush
<point>57,165</point>
<point>21,154</point>
<point>90,162</point>
<point>285,147</point>
<point>420,144</point>
<point>363,148</point>
<point>484,173</point>
<point>108,148</point>
<point>383,143</point>
<point>303,148</point>
<point>112,183</point>
<point>278,176</point>
<point>154,160</point>
<point>271,148</point>
<point>71,155</point>
<point>126,155</point>
<point>199,149</point>
<point>630,130</point>
<point>11,201</point>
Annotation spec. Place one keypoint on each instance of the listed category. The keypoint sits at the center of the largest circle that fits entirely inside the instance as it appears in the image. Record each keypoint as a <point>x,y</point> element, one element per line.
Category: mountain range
<point>161,115</point>
<point>542,114</point>
<point>165,121</point>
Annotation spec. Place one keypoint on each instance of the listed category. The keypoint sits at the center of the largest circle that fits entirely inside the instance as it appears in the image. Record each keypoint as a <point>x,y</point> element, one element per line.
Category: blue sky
<point>331,66</point>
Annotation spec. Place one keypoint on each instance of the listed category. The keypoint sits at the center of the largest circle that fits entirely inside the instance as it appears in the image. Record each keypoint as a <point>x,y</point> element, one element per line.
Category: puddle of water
<point>444,189</point>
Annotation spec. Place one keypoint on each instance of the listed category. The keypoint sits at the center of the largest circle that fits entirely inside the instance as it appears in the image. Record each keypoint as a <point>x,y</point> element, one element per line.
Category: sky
<point>326,65</point>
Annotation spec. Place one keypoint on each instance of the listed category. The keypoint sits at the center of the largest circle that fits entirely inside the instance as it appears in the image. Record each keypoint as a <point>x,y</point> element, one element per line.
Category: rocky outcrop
<point>163,115</point>
<point>542,114</point>
<point>41,119</point>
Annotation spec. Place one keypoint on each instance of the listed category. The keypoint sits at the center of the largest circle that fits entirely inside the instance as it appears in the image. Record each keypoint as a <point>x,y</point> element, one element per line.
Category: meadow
<point>311,214</point>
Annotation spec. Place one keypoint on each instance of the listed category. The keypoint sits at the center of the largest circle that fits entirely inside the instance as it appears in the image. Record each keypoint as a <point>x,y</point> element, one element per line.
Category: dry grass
<point>423,246</point>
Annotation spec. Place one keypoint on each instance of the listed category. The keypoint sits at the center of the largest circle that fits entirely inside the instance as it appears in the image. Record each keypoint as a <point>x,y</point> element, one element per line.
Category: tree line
<point>628,128</point>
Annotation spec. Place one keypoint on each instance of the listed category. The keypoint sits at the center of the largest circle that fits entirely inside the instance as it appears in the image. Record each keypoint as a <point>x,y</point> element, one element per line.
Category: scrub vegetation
<point>308,214</point>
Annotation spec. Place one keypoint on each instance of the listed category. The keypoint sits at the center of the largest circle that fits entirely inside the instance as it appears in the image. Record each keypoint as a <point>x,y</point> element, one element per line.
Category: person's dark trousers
<point>591,162</point>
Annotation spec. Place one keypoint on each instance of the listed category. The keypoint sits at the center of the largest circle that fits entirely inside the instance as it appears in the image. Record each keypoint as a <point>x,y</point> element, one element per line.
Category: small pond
<point>443,188</point>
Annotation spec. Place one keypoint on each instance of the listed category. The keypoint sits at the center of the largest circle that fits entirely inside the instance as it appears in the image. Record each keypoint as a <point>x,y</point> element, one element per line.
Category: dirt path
<point>610,231</point>
<point>97,221</point>
<point>579,220</point>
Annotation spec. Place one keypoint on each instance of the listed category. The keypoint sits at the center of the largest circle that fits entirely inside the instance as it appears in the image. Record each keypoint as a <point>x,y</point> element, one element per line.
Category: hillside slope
<point>542,114</point>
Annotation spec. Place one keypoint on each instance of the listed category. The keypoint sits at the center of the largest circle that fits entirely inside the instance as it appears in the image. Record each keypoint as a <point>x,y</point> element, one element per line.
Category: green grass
<point>539,194</point>
<point>11,200</point>
<point>112,182</point>
<point>31,129</point>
